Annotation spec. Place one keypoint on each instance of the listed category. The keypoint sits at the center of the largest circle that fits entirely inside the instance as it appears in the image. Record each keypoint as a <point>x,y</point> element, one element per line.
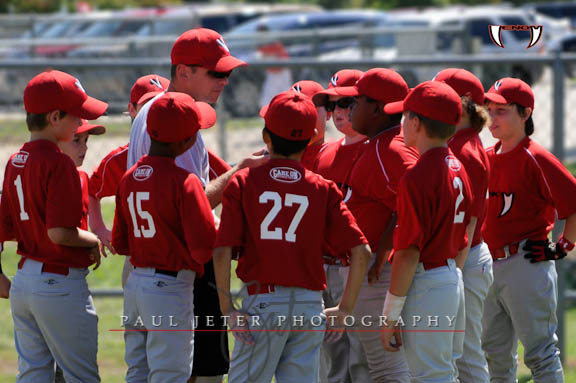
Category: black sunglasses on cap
<point>343,103</point>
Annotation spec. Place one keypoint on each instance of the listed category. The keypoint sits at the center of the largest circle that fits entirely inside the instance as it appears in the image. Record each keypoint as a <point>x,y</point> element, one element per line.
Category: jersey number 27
<point>290,200</point>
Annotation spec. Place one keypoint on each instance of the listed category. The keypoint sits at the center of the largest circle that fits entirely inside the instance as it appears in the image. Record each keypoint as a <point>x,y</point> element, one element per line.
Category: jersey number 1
<point>139,230</point>
<point>291,199</point>
<point>20,192</point>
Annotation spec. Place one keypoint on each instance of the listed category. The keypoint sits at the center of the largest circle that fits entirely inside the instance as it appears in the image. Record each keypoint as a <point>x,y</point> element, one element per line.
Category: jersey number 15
<point>135,206</point>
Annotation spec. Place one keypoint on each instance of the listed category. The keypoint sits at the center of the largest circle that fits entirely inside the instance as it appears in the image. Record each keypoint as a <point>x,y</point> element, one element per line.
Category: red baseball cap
<point>291,115</point>
<point>385,85</point>
<point>463,82</point>
<point>510,90</point>
<point>147,97</point>
<point>433,99</point>
<point>308,87</point>
<point>89,128</point>
<point>342,78</point>
<point>175,116</point>
<point>147,84</point>
<point>54,90</point>
<point>206,48</point>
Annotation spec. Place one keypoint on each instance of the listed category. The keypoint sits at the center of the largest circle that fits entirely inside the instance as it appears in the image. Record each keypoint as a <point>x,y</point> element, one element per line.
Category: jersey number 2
<point>139,230</point>
<point>458,217</point>
<point>291,199</point>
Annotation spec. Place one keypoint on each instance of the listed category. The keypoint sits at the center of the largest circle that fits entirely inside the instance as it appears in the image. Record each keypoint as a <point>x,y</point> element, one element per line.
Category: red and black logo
<point>496,33</point>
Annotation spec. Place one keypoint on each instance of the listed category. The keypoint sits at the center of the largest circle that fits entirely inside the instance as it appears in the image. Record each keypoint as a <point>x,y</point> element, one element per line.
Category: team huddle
<point>403,252</point>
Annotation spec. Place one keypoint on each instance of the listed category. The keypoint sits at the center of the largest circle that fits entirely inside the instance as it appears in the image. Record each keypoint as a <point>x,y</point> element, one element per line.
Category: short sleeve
<point>64,195</point>
<point>139,138</point>
<point>232,221</point>
<point>342,232</point>
<point>105,178</point>
<point>560,184</point>
<point>120,228</point>
<point>197,220</point>
<point>409,228</point>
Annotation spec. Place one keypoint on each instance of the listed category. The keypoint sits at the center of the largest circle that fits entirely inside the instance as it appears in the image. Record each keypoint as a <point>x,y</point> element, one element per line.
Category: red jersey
<point>374,182</point>
<point>467,147</point>
<point>217,165</point>
<point>434,208</point>
<point>335,161</point>
<point>41,191</point>
<point>163,218</point>
<point>527,186</point>
<point>85,199</point>
<point>281,214</point>
<point>310,155</point>
<point>105,178</point>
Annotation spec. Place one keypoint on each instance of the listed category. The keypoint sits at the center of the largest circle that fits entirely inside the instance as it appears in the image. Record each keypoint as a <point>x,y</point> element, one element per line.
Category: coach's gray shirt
<point>194,160</point>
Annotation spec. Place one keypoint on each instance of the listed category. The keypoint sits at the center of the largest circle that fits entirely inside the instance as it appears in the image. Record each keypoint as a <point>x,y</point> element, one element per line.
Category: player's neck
<point>349,140</point>
<point>160,151</point>
<point>379,129</point>
<point>426,143</point>
<point>294,156</point>
<point>511,142</point>
<point>44,134</point>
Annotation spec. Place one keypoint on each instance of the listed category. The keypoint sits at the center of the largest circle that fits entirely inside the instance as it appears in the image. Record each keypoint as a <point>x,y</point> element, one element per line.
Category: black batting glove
<point>539,251</point>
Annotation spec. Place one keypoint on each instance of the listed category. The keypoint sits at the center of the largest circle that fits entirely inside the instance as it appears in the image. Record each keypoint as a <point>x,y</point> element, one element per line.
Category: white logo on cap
<point>297,88</point>
<point>497,85</point>
<point>221,42</point>
<point>434,78</point>
<point>334,80</point>
<point>79,86</point>
<point>156,81</point>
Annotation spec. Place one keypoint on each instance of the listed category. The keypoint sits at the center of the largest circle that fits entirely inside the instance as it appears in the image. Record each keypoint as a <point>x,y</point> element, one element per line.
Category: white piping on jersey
<point>105,167</point>
<point>541,171</point>
<point>382,167</point>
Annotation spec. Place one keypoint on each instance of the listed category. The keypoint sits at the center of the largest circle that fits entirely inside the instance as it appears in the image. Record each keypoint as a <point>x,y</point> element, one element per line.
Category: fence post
<point>222,133</point>
<point>558,93</point>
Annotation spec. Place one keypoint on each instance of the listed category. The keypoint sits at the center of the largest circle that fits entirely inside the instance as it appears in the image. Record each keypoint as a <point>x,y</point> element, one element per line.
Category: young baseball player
<point>164,221</point>
<point>528,186</point>
<point>477,269</point>
<point>342,360</point>
<point>371,198</point>
<point>104,179</point>
<point>281,214</point>
<point>310,88</point>
<point>41,209</point>
<point>434,209</point>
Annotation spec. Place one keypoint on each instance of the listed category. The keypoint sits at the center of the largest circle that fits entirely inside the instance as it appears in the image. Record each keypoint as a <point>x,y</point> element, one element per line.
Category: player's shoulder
<point>391,143</point>
<point>538,153</point>
<point>116,154</point>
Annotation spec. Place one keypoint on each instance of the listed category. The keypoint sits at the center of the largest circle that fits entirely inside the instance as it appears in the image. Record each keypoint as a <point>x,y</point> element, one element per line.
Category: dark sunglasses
<point>343,103</point>
<point>219,75</point>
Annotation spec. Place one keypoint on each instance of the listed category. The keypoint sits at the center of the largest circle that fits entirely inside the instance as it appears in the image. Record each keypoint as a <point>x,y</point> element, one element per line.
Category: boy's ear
<point>53,117</point>
<point>265,137</point>
<point>527,114</point>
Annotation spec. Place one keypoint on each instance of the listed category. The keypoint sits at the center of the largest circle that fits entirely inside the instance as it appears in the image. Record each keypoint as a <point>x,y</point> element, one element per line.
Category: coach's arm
<point>215,188</point>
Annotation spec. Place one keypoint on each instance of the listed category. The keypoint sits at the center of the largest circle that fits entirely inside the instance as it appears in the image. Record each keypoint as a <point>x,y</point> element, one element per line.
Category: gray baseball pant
<point>521,304</point>
<point>54,320</point>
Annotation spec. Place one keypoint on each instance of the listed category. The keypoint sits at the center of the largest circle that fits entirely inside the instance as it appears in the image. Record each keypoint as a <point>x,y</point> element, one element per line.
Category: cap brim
<point>394,107</point>
<point>495,97</point>
<point>91,129</point>
<point>90,109</point>
<point>348,91</point>
<point>147,97</point>
<point>227,63</point>
<point>263,111</point>
<point>207,115</point>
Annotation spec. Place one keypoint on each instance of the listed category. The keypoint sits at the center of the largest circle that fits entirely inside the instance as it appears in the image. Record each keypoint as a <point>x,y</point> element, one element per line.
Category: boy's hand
<point>238,322</point>
<point>335,323</point>
<point>96,253</point>
<point>105,236</point>
<point>4,286</point>
<point>388,333</point>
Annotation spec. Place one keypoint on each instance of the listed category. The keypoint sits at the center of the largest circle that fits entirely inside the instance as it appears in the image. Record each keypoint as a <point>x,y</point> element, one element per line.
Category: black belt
<point>170,273</point>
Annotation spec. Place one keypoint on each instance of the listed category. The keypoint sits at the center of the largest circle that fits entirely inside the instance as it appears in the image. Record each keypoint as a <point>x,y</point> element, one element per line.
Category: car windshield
<point>101,29</point>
